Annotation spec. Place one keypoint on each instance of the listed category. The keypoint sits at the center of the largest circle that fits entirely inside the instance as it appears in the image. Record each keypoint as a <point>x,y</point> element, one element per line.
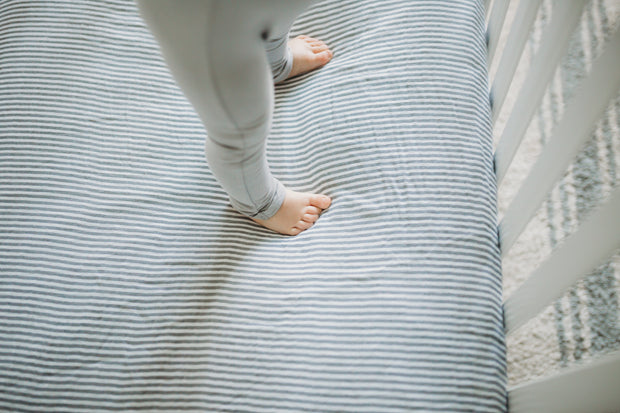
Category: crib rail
<point>595,240</point>
<point>566,140</point>
<point>593,386</point>
<point>496,21</point>
<point>553,47</point>
<point>524,16</point>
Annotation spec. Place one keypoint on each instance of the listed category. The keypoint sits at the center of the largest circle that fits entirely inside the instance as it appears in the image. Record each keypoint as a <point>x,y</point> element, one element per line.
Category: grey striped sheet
<point>129,283</point>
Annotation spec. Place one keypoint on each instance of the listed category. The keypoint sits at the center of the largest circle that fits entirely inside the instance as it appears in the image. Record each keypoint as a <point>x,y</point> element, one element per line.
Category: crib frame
<point>593,386</point>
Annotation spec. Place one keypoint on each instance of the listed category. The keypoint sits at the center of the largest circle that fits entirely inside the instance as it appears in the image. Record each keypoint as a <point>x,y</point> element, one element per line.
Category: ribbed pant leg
<point>279,57</point>
<point>216,52</point>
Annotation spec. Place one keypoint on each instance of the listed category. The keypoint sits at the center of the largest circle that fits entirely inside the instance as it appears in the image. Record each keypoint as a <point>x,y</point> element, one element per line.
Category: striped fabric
<point>128,283</point>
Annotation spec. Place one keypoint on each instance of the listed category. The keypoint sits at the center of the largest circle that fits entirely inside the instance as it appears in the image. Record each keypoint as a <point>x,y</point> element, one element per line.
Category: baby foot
<point>298,212</point>
<point>308,54</point>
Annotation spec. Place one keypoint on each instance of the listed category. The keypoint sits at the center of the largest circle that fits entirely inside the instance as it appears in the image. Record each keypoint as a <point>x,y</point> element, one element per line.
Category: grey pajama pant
<point>225,56</point>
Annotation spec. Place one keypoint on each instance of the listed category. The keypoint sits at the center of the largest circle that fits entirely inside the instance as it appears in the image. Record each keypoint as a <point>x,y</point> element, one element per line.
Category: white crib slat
<point>566,140</point>
<point>494,28</point>
<point>595,240</point>
<point>555,40</point>
<point>519,33</point>
<point>588,388</point>
<point>486,8</point>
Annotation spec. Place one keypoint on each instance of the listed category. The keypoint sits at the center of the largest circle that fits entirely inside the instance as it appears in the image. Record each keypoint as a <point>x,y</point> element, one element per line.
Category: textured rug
<point>584,322</point>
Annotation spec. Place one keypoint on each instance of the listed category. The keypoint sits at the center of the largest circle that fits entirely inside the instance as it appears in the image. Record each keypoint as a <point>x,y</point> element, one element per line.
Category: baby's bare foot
<point>308,54</point>
<point>298,212</point>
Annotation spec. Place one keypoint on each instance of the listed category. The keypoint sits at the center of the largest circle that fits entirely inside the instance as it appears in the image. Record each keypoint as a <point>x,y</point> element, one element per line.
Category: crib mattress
<point>128,282</point>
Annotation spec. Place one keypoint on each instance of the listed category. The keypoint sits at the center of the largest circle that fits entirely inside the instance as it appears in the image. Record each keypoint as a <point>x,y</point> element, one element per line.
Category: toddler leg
<point>216,52</point>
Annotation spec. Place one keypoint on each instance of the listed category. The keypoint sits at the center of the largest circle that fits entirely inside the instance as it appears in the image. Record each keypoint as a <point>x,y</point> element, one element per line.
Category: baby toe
<point>303,225</point>
<point>312,210</point>
<point>320,201</point>
<point>318,47</point>
<point>310,217</point>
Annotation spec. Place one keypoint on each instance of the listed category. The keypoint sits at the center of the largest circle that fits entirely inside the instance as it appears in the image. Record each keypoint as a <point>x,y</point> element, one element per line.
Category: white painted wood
<point>487,8</point>
<point>518,35</point>
<point>494,28</point>
<point>553,46</point>
<point>591,99</point>
<point>594,387</point>
<point>596,239</point>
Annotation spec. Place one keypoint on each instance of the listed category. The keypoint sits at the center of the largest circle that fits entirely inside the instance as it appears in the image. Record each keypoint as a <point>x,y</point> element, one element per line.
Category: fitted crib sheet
<point>127,281</point>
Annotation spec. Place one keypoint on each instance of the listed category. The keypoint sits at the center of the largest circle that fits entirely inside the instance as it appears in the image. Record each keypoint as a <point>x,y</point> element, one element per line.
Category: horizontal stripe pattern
<point>129,283</point>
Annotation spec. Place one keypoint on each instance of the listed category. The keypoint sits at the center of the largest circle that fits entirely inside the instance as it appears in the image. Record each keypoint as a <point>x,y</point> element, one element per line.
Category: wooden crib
<point>593,386</point>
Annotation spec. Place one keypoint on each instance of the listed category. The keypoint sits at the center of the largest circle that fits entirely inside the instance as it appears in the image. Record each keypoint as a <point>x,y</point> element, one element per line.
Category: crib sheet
<point>127,282</point>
